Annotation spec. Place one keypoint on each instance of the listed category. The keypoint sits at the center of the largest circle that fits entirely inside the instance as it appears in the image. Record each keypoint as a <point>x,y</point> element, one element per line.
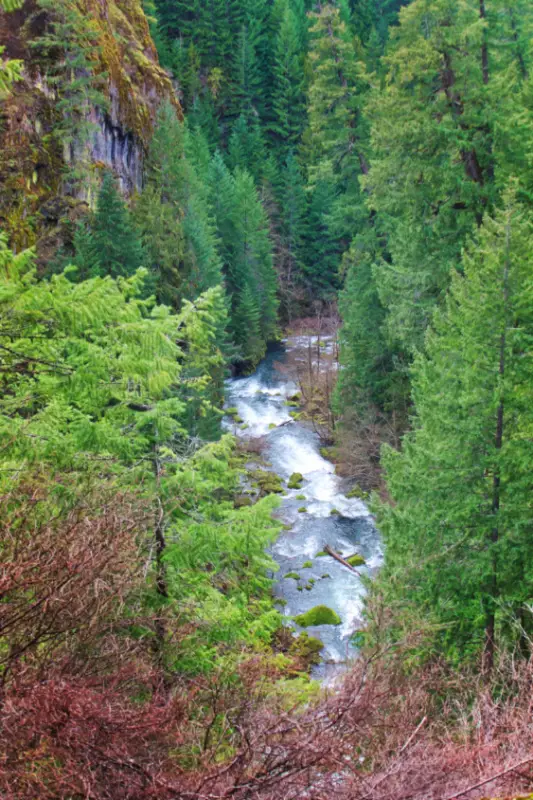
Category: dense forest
<point>183,184</point>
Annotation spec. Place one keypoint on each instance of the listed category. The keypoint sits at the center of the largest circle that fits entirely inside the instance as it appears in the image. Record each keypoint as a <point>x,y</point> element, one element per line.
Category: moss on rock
<point>318,615</point>
<point>295,481</point>
<point>356,560</point>
<point>267,482</point>
<point>293,575</point>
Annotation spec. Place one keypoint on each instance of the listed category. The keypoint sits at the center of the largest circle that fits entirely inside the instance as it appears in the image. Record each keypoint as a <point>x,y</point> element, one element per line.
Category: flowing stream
<point>292,446</point>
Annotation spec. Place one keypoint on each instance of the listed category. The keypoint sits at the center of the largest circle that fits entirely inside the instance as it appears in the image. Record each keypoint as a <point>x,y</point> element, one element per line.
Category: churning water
<point>293,446</point>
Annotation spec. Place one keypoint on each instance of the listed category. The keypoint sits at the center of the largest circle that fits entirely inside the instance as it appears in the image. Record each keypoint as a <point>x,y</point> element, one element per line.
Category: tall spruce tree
<point>458,525</point>
<point>287,98</point>
<point>115,239</point>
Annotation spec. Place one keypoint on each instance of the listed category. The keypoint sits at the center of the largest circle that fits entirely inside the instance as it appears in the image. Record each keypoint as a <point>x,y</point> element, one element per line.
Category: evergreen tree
<point>242,228</point>
<point>287,100</point>
<point>436,153</point>
<point>322,248</point>
<point>292,225</point>
<point>173,213</point>
<point>246,146</point>
<point>115,238</point>
<point>365,354</point>
<point>458,527</point>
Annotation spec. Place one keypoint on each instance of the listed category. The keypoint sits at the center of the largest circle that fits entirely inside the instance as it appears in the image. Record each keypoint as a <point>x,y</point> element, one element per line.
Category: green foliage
<point>10,72</point>
<point>356,560</point>
<point>457,529</point>
<point>172,213</point>
<point>113,245</point>
<point>246,250</point>
<point>287,96</point>
<point>318,615</point>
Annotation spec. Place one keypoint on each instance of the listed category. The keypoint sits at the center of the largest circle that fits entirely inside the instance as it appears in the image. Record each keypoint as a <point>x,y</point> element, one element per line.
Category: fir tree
<point>457,530</point>
<point>116,241</point>
<point>287,100</point>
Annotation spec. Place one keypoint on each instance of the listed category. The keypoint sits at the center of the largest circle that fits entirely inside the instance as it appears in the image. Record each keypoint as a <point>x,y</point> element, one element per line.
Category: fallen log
<point>340,559</point>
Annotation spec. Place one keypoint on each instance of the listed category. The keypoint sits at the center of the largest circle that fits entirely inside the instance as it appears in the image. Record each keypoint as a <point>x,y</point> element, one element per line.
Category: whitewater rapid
<point>292,446</point>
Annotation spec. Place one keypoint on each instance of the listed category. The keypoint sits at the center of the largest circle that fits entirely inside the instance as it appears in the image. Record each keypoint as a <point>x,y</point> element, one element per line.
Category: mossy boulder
<point>267,482</point>
<point>321,554</point>
<point>334,512</point>
<point>302,510</point>
<point>242,500</point>
<point>318,615</point>
<point>293,575</point>
<point>272,426</point>
<point>307,648</point>
<point>356,560</point>
<point>325,575</point>
<point>300,497</point>
<point>295,481</point>
<point>307,565</point>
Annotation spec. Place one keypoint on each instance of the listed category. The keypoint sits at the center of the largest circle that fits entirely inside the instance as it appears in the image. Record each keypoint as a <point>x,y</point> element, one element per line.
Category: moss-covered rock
<point>231,412</point>
<point>295,481</point>
<point>242,500</point>
<point>321,554</point>
<point>302,510</point>
<point>307,565</point>
<point>267,482</point>
<point>300,497</point>
<point>356,560</point>
<point>293,575</point>
<point>295,398</point>
<point>307,648</point>
<point>318,615</point>
<point>334,512</point>
<point>325,575</point>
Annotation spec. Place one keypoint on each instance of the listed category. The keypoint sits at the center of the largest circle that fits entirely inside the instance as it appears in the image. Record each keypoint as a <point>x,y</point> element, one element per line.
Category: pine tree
<point>322,249</point>
<point>115,238</point>
<point>173,212</point>
<point>246,250</point>
<point>365,355</point>
<point>336,126</point>
<point>292,225</point>
<point>246,146</point>
<point>457,529</point>
<point>288,101</point>
<point>252,262</point>
<point>436,165</point>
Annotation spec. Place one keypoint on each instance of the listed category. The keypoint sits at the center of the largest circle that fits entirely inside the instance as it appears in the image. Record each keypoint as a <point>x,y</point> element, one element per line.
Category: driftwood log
<point>340,559</point>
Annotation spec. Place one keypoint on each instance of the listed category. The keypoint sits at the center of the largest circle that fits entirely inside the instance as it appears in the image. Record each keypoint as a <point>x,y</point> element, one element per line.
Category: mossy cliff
<point>116,44</point>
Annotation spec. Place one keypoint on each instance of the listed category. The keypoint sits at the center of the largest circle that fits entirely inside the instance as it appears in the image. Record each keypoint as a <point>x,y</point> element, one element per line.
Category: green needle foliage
<point>457,533</point>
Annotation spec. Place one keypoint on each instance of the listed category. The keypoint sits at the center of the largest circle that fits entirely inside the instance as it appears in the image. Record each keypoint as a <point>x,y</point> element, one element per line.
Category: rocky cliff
<point>35,145</point>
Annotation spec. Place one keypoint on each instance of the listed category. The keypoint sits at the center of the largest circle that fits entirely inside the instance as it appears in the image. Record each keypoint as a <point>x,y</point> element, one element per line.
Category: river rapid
<point>293,446</point>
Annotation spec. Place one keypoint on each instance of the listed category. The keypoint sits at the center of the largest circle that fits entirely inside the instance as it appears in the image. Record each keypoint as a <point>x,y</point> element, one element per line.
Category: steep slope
<point>90,89</point>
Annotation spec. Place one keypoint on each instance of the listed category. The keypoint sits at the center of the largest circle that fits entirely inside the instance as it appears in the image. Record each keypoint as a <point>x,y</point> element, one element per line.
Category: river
<point>293,446</point>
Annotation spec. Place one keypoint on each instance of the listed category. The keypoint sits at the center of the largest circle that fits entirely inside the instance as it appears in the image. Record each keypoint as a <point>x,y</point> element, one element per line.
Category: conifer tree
<point>287,100</point>
<point>242,228</point>
<point>115,238</point>
<point>457,529</point>
<point>436,148</point>
<point>173,214</point>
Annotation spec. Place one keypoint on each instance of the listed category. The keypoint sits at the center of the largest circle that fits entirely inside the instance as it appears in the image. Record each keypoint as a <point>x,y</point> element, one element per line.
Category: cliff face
<point>32,154</point>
